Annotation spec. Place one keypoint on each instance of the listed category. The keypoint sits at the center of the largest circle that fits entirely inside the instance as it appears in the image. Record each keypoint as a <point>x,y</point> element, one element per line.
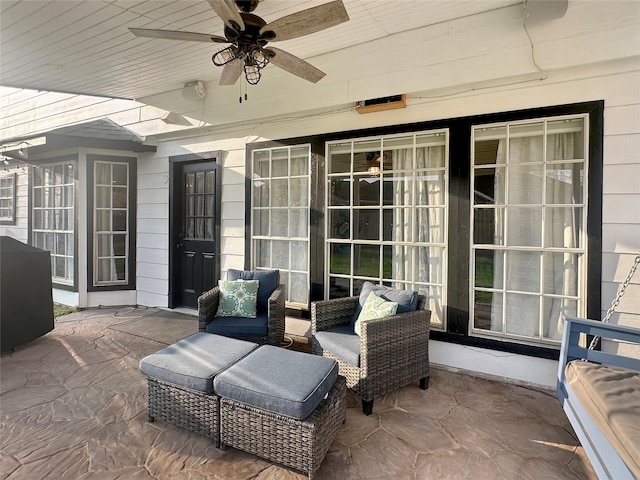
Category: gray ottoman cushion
<point>194,361</point>
<point>278,380</point>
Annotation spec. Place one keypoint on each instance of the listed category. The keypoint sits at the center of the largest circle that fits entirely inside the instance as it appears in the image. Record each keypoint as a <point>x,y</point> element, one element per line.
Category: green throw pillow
<point>237,298</point>
<point>375,307</point>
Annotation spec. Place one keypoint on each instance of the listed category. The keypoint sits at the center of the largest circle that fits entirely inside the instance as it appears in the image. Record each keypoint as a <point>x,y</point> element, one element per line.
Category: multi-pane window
<point>528,240</point>
<point>7,199</point>
<point>53,195</point>
<point>199,205</point>
<point>111,223</point>
<point>386,215</point>
<point>280,216</point>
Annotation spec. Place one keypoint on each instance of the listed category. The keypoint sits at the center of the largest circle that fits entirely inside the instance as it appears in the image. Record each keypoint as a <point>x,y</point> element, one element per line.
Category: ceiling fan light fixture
<point>252,73</point>
<point>224,56</point>
<point>260,59</point>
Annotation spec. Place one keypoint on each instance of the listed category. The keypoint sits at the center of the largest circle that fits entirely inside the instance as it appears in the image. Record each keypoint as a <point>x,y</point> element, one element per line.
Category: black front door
<point>195,265</point>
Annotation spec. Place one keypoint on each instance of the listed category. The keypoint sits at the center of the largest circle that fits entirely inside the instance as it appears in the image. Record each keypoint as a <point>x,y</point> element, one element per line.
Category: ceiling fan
<point>248,36</point>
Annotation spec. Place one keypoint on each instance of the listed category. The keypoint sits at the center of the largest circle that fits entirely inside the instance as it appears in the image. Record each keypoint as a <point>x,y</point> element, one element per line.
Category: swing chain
<point>616,301</point>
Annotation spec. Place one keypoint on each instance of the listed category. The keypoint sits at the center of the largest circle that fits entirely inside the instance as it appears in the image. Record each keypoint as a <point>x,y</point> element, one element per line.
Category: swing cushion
<point>611,396</point>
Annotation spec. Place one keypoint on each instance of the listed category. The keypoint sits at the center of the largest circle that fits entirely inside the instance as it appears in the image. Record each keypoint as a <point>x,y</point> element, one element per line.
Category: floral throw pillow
<point>375,307</point>
<point>237,298</point>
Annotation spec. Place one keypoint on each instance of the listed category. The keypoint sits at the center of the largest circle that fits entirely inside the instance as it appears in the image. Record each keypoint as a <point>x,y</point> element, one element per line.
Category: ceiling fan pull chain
<point>246,97</point>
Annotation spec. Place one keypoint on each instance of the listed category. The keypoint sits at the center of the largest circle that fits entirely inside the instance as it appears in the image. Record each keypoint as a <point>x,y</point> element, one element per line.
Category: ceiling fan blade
<point>231,72</point>
<point>306,21</point>
<point>176,35</point>
<point>228,12</point>
<point>295,65</point>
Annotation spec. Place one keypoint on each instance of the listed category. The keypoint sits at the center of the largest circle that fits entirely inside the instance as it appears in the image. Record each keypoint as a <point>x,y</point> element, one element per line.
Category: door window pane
<point>279,223</point>
<point>564,183</point>
<point>522,287</point>
<point>339,191</point>
<point>340,254</point>
<point>367,261</point>
<point>199,205</point>
<point>524,227</point>
<point>280,201</point>
<point>366,224</point>
<point>387,208</point>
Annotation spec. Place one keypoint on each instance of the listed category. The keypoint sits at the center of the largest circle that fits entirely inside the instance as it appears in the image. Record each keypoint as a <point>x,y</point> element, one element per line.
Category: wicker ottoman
<point>283,406</point>
<point>180,380</point>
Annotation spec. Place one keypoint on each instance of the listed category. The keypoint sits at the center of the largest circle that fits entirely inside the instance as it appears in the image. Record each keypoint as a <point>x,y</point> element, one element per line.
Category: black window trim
<point>459,212</point>
<point>92,158</point>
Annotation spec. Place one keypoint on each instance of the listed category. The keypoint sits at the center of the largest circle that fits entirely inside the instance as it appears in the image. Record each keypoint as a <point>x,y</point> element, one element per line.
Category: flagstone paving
<point>73,406</point>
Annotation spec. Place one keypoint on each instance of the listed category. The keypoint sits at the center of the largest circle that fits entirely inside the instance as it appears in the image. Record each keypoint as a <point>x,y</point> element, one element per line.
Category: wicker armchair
<point>394,351</point>
<point>267,328</point>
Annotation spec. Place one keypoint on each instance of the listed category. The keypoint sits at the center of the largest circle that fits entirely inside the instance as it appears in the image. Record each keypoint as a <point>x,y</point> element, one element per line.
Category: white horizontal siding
<point>152,225</point>
<point>153,211</point>
<point>621,149</point>
<point>621,179</point>
<point>153,255</point>
<point>152,240</point>
<point>153,180</point>
<point>158,196</point>
<point>157,286</point>
<point>233,192</point>
<point>152,282</point>
<point>621,209</point>
<point>621,238</point>
<point>152,270</point>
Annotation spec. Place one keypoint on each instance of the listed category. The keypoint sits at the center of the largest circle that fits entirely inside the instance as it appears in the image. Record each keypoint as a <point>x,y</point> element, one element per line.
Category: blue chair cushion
<point>239,326</point>
<point>407,300</point>
<point>279,380</point>
<point>269,281</point>
<point>342,342</point>
<point>193,362</point>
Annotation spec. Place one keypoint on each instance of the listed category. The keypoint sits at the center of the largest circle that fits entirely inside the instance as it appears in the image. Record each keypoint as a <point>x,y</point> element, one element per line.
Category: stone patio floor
<point>73,406</point>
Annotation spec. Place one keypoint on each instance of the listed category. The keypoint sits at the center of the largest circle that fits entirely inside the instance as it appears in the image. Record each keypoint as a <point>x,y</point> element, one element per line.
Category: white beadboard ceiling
<point>85,47</point>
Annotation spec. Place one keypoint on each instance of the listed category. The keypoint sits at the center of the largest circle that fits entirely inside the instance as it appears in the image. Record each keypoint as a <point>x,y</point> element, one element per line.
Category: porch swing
<point>600,391</point>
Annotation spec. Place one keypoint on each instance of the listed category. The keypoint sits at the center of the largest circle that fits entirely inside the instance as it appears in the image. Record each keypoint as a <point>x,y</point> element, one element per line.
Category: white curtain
<point>529,271</point>
<point>402,200</point>
<point>418,225</point>
<point>561,269</point>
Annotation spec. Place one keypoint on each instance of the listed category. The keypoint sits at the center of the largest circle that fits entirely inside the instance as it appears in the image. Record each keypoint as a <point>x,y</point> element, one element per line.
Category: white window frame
<point>45,236</point>
<point>112,257</point>
<point>8,199</point>
<point>285,272</point>
<point>436,303</point>
<point>581,252</point>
